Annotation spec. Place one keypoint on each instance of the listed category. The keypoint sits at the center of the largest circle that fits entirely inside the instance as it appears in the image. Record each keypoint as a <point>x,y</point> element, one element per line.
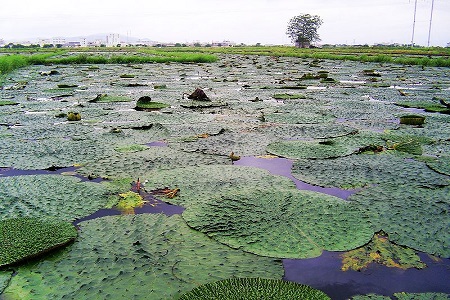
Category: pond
<point>326,166</point>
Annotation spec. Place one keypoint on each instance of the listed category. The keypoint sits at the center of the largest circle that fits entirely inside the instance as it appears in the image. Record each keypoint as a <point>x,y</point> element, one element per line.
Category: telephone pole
<point>431,19</point>
<point>414,23</point>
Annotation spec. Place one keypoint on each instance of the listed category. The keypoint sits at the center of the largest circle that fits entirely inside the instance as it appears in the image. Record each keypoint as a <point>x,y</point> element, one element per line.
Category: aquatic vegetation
<point>412,216</point>
<point>5,277</point>
<point>128,201</point>
<point>324,148</point>
<point>362,170</point>
<point>284,223</point>
<point>439,164</point>
<point>381,251</point>
<point>104,98</point>
<point>158,257</point>
<point>73,116</point>
<point>64,197</point>
<point>295,117</point>
<point>412,120</point>
<point>23,238</point>
<point>7,102</point>
<point>127,76</point>
<point>146,103</point>
<point>404,296</point>
<point>131,148</point>
<point>289,96</point>
<point>253,288</point>
<point>428,106</point>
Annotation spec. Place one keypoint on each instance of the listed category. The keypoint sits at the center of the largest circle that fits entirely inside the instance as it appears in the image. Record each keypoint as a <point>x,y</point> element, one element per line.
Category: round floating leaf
<point>367,169</point>
<point>412,216</point>
<point>309,149</point>
<point>253,288</point>
<point>421,296</point>
<point>22,238</point>
<point>51,195</point>
<point>148,256</point>
<point>278,223</point>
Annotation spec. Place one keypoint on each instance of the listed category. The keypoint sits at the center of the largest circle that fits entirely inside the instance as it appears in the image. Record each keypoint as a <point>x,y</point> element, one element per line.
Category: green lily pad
<point>253,288</point>
<point>136,257</point>
<point>412,216</point>
<point>7,102</point>
<point>23,238</point>
<point>5,277</point>
<point>367,169</point>
<point>51,195</point>
<point>284,223</point>
<point>131,148</point>
<point>309,149</point>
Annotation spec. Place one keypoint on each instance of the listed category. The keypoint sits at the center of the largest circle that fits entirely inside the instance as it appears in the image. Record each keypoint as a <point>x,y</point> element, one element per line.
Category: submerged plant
<point>381,251</point>
<point>128,201</point>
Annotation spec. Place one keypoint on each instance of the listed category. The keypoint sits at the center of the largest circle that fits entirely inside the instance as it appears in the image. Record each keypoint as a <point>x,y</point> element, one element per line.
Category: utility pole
<point>431,19</point>
<point>414,23</point>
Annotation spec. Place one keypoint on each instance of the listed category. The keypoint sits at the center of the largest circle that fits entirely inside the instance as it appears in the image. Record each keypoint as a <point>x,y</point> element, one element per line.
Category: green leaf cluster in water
<point>147,256</point>
<point>23,238</point>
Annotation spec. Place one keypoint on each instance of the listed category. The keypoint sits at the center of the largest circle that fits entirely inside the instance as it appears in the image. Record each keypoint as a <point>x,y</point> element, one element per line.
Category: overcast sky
<point>241,21</point>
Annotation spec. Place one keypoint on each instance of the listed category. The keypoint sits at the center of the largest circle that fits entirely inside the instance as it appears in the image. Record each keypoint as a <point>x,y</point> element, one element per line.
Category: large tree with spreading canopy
<point>302,29</point>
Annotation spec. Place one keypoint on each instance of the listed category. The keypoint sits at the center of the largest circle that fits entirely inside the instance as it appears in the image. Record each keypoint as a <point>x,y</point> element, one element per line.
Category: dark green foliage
<point>253,289</point>
<point>22,238</point>
<point>147,256</point>
<point>412,120</point>
<point>51,195</point>
<point>7,102</point>
<point>289,96</point>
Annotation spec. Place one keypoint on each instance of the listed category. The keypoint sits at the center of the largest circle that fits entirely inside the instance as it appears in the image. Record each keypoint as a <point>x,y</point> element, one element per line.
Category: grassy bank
<point>432,57</point>
<point>11,62</point>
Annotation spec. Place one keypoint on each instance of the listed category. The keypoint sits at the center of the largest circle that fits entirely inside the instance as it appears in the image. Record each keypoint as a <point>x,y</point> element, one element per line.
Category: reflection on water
<point>283,166</point>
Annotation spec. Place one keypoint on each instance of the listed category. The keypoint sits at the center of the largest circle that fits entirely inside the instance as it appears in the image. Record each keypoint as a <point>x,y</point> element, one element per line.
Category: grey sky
<point>249,21</point>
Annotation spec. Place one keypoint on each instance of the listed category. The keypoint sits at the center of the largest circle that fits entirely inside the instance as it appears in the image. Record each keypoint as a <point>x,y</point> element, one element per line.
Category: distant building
<point>72,44</point>
<point>43,42</point>
<point>83,42</point>
<point>112,40</point>
<point>223,44</point>
<point>58,41</point>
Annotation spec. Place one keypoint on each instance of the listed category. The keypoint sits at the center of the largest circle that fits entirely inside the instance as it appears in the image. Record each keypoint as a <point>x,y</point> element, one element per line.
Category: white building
<point>58,41</point>
<point>112,40</point>
<point>83,42</point>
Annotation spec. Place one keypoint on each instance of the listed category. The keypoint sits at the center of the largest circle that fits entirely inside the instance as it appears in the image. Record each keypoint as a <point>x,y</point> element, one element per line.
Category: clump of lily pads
<point>254,288</point>
<point>289,96</point>
<point>7,102</point>
<point>27,237</point>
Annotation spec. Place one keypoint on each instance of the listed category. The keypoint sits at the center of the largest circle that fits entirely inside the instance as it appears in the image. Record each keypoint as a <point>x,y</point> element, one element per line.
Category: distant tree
<point>302,29</point>
<point>178,45</point>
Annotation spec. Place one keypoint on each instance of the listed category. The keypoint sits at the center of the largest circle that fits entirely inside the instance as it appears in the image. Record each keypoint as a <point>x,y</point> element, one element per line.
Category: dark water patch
<point>157,144</point>
<point>151,206</point>
<point>69,171</point>
<point>324,273</point>
<point>283,166</point>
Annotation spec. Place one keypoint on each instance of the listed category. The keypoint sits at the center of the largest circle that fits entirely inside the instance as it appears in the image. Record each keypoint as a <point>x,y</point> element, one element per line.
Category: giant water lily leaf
<point>321,149</point>
<point>438,164</point>
<point>364,169</point>
<point>137,164</point>
<point>23,238</point>
<point>51,195</point>
<point>254,288</point>
<point>5,277</point>
<point>302,131</point>
<point>136,257</point>
<point>298,118</point>
<point>197,183</point>
<point>421,296</point>
<point>412,216</point>
<point>281,223</point>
